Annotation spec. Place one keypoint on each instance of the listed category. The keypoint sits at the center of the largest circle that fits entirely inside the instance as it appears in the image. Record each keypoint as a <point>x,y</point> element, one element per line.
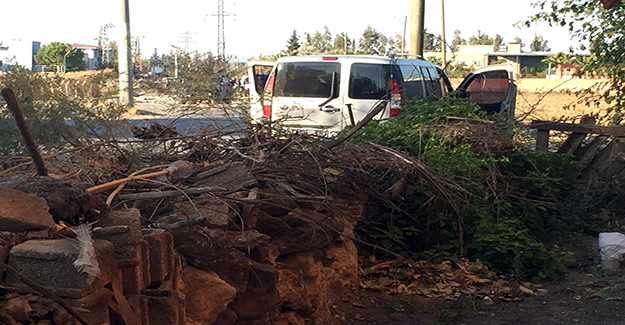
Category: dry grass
<point>555,105</point>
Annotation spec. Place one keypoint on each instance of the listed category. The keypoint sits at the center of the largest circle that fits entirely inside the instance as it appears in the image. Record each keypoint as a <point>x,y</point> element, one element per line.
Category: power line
<point>221,39</point>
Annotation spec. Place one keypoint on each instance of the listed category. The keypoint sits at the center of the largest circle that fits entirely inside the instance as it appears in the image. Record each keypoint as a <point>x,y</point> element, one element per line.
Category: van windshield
<point>307,79</point>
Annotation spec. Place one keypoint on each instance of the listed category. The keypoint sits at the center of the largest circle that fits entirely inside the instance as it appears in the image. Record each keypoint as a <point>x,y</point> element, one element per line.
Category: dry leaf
<point>527,291</point>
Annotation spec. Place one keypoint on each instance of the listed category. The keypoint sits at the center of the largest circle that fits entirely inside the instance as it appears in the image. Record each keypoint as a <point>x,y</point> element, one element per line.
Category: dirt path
<point>587,296</point>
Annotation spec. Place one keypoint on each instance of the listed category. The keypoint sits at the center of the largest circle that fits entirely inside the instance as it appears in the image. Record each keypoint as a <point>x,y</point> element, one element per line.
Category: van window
<point>307,79</point>
<point>412,84</point>
<point>432,82</point>
<point>369,81</point>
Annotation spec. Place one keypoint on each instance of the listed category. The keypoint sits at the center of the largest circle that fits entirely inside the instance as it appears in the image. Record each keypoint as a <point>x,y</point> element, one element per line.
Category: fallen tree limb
<point>45,292</point>
<point>341,138</point>
<point>172,193</point>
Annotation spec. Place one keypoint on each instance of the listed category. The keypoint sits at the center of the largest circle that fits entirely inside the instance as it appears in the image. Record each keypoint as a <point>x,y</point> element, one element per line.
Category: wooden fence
<point>600,149</point>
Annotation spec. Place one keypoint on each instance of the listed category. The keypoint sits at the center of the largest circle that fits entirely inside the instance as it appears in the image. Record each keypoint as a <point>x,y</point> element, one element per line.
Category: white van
<point>330,92</point>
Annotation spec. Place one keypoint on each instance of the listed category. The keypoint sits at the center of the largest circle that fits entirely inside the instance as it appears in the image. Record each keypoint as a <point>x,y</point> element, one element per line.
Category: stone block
<point>22,212</point>
<point>139,304</point>
<point>127,247</point>
<point>50,264</point>
<point>145,263</point>
<point>161,248</point>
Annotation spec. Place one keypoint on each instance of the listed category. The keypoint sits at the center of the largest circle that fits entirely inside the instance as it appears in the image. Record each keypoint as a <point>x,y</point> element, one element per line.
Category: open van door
<point>257,74</point>
<point>493,88</point>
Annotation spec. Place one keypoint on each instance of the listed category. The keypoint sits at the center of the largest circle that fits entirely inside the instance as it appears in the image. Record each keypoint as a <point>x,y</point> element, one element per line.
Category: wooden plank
<point>542,140</point>
<point>575,139</point>
<point>588,152</point>
<point>609,155</point>
<point>614,169</point>
<point>594,129</point>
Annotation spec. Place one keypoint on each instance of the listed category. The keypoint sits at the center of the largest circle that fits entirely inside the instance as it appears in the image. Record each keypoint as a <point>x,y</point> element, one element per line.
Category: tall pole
<point>124,58</point>
<point>443,43</point>
<point>403,36</point>
<point>417,26</point>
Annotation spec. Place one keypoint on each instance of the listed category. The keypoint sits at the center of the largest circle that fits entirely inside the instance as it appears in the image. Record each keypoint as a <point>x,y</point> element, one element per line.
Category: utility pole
<point>125,62</point>
<point>443,44</point>
<point>417,27</point>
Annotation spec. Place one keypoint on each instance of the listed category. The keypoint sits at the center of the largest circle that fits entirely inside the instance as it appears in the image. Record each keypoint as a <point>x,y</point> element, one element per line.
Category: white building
<point>16,51</point>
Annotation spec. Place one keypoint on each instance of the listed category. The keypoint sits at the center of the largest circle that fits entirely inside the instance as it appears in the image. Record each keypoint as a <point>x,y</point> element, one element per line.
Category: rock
<point>276,201</point>
<point>228,317</point>
<point>303,286</point>
<point>22,212</point>
<point>289,318</point>
<point>344,263</point>
<point>207,295</point>
<point>271,226</point>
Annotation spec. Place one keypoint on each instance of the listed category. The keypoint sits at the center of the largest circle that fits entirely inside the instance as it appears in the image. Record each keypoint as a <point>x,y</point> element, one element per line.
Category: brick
<point>127,246</point>
<point>161,247</point>
<point>145,263</point>
<point>50,264</point>
<point>164,307</point>
<point>128,217</point>
<point>22,212</point>
<point>139,304</point>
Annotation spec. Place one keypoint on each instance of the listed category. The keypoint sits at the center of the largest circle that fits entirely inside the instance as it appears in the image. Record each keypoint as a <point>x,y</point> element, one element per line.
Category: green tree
<point>539,44</point>
<point>321,42</point>
<point>372,42</point>
<point>497,40</point>
<point>602,33</point>
<point>457,40</point>
<point>61,54</point>
<point>481,39</point>
<point>343,44</point>
<point>431,42</point>
<point>293,43</point>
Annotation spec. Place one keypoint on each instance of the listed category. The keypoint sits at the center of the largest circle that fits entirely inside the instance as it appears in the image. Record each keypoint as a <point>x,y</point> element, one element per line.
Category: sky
<point>259,27</point>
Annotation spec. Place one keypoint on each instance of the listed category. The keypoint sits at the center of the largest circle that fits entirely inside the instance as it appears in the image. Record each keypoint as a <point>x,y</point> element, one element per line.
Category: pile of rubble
<point>247,251</point>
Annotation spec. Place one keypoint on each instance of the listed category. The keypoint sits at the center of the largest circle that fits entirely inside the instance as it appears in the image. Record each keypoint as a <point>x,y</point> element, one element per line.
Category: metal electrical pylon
<point>221,39</point>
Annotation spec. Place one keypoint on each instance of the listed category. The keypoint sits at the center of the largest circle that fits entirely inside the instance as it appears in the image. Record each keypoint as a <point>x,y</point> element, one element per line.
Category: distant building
<point>478,56</point>
<point>19,52</point>
<point>93,55</point>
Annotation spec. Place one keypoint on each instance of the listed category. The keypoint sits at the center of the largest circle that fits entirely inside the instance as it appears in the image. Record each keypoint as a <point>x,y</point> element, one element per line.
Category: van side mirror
<point>463,93</point>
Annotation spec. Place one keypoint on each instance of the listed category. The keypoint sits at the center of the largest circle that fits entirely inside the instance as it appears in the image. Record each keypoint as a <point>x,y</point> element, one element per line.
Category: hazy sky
<point>259,27</point>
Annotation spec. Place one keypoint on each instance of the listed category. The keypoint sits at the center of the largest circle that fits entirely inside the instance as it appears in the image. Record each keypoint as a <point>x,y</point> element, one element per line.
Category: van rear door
<point>369,86</point>
<point>493,88</point>
<point>306,95</point>
<point>257,74</point>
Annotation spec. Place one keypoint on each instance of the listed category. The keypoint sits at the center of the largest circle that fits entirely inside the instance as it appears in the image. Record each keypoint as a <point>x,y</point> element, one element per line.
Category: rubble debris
<point>154,131</point>
<point>22,212</point>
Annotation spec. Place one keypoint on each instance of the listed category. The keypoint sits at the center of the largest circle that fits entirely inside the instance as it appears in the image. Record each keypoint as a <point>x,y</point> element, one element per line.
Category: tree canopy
<point>61,54</point>
<point>293,43</point>
<point>539,44</point>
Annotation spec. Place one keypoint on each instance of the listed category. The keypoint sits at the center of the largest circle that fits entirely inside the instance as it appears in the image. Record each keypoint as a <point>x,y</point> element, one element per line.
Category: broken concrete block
<point>22,212</point>
<point>50,264</point>
<point>161,248</point>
